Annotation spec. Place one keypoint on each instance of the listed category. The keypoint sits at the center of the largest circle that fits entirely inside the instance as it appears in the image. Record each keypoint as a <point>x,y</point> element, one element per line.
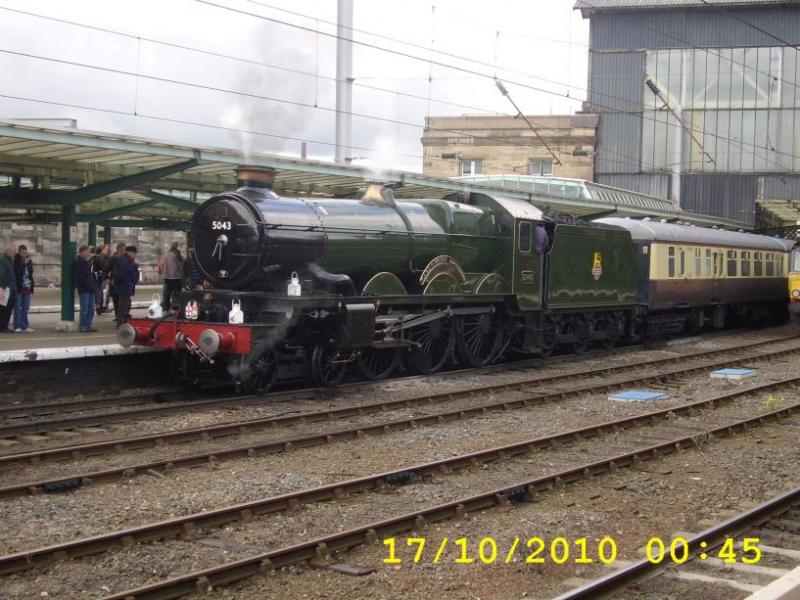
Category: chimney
<point>254,176</point>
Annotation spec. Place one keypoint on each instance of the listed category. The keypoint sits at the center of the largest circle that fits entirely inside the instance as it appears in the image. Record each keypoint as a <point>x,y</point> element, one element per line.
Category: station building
<point>698,101</point>
<point>474,145</point>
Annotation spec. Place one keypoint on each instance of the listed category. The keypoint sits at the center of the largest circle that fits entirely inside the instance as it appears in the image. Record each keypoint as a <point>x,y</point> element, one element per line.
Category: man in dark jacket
<point>8,282</point>
<point>87,288</point>
<point>126,276</point>
<point>109,274</point>
<point>23,271</point>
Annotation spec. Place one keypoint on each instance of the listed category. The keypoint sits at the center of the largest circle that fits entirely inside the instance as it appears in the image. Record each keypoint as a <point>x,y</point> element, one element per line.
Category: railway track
<point>324,546</point>
<point>45,427</point>
<point>412,474</point>
<point>172,399</point>
<point>769,521</point>
<point>77,479</point>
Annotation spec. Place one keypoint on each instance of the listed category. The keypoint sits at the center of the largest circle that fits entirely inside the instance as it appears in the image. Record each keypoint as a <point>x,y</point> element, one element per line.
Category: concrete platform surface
<point>13,346</point>
<point>46,300</point>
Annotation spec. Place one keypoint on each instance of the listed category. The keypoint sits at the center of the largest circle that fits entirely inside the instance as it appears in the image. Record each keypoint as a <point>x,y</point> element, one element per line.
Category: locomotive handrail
<point>326,228</point>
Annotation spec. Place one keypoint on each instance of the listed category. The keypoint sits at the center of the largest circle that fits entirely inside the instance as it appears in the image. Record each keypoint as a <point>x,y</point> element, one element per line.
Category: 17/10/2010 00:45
<point>537,550</point>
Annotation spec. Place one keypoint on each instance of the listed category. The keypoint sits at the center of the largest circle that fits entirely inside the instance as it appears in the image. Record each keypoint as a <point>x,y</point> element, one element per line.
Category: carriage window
<point>770,265</point>
<point>745,263</point>
<point>525,237</point>
<point>731,263</point>
<point>671,261</point>
<point>698,262</point>
<point>683,262</point>
<point>709,272</point>
<point>758,264</point>
<point>780,265</point>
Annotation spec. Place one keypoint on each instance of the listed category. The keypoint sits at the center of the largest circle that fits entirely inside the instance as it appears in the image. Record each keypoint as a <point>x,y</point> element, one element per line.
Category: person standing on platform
<point>23,271</point>
<point>8,283</point>
<point>126,276</point>
<point>87,288</point>
<point>112,294</point>
<point>100,271</point>
<point>173,275</point>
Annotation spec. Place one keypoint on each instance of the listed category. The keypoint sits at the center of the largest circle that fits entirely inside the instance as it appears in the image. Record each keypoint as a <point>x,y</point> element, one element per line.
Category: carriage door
<point>527,264</point>
<point>716,275</point>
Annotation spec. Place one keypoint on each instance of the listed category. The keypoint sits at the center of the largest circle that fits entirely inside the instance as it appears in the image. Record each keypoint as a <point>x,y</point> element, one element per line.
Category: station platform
<point>45,343</point>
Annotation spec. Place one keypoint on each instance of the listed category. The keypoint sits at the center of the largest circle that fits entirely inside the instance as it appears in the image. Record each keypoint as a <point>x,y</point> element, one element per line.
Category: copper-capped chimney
<point>255,176</point>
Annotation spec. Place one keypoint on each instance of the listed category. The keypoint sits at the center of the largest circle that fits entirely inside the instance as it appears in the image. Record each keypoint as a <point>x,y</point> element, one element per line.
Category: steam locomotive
<point>326,285</point>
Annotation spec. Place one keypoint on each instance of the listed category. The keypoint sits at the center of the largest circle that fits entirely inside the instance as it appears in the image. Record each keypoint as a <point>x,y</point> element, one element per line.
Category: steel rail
<point>221,516</point>
<point>62,406</point>
<point>43,427</point>
<point>611,584</point>
<point>77,451</point>
<point>327,437</point>
<point>187,402</point>
<point>323,547</point>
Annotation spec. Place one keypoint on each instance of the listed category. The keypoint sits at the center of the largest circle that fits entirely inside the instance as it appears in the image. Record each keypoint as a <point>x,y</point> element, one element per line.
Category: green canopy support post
<point>69,237</point>
<point>107,234</point>
<point>93,234</point>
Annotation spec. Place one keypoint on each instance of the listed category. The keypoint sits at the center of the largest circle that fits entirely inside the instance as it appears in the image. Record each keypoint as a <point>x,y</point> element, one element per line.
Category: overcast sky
<point>540,52</point>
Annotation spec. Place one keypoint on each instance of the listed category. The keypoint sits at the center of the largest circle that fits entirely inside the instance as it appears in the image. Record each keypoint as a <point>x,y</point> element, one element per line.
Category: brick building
<point>489,145</point>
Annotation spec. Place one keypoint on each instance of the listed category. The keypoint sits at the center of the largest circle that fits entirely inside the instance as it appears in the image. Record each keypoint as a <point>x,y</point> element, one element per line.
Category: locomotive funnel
<point>254,176</point>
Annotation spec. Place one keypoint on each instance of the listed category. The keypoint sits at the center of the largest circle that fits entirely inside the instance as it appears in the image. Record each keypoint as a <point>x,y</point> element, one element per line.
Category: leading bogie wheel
<point>260,373</point>
<point>327,367</point>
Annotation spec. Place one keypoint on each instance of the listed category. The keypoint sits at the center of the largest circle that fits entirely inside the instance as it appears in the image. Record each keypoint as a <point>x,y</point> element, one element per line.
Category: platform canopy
<point>67,175</point>
<point>128,181</point>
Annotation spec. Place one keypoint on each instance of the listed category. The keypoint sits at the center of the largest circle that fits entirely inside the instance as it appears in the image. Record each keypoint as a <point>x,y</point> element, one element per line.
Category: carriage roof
<point>655,231</point>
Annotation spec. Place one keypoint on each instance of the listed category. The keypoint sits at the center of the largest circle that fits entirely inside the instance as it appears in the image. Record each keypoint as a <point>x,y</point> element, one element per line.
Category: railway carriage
<point>689,276</point>
<point>299,286</point>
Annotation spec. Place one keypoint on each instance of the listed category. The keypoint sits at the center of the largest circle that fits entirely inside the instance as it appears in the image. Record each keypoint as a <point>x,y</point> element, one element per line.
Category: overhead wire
<point>185,122</point>
<point>327,108</point>
<point>388,38</point>
<point>241,59</point>
<point>268,98</point>
<point>610,109</point>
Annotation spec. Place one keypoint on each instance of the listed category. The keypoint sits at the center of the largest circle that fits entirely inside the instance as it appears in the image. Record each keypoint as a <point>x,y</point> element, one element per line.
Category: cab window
<point>525,237</point>
<point>795,261</point>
